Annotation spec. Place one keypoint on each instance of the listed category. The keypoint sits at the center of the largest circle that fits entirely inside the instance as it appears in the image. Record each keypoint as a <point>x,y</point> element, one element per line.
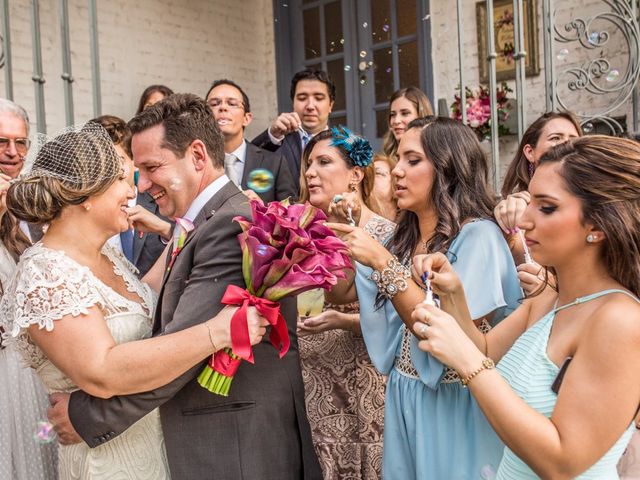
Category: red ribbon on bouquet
<point>270,310</point>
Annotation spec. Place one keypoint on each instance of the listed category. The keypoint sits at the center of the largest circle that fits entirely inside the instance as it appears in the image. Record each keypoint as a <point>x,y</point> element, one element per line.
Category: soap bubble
<point>487,472</point>
<point>385,28</point>
<point>347,68</point>
<point>562,54</point>
<point>587,127</point>
<point>260,180</point>
<point>363,54</point>
<point>594,38</point>
<point>175,184</point>
<point>613,75</point>
<point>365,25</point>
<point>44,432</point>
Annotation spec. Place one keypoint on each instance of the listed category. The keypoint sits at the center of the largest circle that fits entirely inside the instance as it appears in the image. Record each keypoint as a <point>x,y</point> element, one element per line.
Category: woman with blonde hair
<point>344,393</point>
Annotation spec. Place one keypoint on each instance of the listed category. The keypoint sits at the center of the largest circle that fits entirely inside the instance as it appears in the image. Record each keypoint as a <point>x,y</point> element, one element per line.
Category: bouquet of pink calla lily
<point>286,250</point>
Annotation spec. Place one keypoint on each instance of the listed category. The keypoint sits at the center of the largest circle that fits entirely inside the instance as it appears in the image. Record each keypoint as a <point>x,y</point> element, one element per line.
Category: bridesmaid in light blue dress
<point>565,391</point>
<point>432,428</point>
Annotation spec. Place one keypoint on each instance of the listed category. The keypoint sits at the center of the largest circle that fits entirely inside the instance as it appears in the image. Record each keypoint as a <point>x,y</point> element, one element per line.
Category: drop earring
<point>531,169</point>
<point>352,187</point>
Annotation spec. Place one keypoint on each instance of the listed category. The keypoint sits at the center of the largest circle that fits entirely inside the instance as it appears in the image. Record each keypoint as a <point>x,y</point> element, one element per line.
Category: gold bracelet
<point>487,364</point>
<point>213,344</point>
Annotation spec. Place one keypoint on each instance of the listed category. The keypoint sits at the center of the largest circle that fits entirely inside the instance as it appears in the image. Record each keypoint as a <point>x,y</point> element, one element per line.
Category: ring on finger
<point>422,329</point>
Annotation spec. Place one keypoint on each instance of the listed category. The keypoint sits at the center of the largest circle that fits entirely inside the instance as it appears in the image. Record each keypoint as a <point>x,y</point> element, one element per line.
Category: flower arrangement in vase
<point>478,103</point>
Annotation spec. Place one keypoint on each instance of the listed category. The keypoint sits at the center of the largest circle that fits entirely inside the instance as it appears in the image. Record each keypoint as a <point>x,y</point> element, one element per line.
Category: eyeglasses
<point>230,102</point>
<point>21,144</point>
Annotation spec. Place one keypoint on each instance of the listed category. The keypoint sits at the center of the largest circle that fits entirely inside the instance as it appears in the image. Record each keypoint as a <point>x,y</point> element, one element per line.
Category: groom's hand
<point>58,414</point>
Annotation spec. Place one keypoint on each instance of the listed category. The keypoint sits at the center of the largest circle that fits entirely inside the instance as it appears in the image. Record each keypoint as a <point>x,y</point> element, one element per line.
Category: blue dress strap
<point>593,296</point>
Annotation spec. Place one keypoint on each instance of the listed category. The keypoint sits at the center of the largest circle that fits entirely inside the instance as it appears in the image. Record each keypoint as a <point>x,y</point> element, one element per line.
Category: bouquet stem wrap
<point>218,374</point>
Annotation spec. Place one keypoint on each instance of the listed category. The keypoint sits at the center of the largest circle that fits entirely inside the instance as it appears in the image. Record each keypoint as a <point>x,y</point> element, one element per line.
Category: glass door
<point>370,48</point>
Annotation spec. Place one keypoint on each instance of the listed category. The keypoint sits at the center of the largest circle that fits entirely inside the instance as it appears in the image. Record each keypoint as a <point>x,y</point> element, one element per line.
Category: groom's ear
<point>199,155</point>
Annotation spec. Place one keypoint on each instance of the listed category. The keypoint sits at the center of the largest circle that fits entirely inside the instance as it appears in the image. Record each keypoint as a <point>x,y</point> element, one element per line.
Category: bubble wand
<point>527,255</point>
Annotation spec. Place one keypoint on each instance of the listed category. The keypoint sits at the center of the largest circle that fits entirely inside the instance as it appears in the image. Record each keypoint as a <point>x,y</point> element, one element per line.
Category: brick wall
<point>185,45</point>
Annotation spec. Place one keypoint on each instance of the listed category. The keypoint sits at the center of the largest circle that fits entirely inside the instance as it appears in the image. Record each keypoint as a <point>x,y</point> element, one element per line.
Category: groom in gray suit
<point>260,431</point>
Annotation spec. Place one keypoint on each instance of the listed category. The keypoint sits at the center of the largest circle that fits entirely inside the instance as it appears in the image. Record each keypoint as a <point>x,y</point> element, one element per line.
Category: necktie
<point>126,239</point>
<point>305,137</point>
<point>230,168</point>
<point>180,233</point>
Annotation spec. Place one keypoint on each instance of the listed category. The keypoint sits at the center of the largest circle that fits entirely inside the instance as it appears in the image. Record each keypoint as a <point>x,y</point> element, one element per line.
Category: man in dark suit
<point>232,113</point>
<point>312,94</point>
<point>260,431</point>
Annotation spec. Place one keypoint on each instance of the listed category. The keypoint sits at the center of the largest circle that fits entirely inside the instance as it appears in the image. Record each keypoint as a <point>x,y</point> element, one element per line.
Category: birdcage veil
<point>79,156</point>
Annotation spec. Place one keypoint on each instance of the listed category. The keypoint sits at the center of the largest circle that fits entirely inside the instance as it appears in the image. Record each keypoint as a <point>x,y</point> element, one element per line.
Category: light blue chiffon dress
<point>531,373</point>
<point>433,427</point>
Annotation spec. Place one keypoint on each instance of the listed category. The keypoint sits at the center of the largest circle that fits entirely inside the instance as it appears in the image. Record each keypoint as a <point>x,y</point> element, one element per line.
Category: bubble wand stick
<point>527,255</point>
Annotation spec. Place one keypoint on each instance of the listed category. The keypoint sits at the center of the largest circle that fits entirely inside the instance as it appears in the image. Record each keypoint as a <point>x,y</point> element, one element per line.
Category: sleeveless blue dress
<point>531,373</point>
<point>433,428</point>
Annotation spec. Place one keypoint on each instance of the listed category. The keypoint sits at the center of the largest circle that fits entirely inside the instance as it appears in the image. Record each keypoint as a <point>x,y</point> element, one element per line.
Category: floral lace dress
<point>50,285</point>
<point>344,393</point>
<point>23,403</point>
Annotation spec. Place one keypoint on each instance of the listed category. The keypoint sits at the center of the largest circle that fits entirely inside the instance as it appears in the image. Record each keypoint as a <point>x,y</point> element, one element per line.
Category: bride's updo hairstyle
<point>67,170</point>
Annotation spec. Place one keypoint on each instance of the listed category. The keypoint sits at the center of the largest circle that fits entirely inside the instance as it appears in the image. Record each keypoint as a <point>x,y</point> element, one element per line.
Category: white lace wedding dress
<point>50,285</point>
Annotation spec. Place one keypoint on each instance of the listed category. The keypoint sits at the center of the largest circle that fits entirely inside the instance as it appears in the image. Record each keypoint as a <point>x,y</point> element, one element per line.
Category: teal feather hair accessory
<point>358,148</point>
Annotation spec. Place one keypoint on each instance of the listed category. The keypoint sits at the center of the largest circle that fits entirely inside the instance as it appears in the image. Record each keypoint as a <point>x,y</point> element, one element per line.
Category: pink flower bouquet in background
<point>479,109</point>
<point>286,250</point>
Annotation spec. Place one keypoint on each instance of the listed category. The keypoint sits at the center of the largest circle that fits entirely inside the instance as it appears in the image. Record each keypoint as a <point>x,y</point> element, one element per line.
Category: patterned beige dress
<point>345,394</point>
<point>50,285</point>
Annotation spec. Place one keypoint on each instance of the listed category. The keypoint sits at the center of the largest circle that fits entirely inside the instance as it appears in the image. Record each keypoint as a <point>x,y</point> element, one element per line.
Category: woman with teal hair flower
<point>344,394</point>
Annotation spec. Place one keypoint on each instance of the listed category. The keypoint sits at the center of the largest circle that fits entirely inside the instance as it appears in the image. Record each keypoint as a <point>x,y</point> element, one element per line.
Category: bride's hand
<point>144,221</point>
<point>221,323</point>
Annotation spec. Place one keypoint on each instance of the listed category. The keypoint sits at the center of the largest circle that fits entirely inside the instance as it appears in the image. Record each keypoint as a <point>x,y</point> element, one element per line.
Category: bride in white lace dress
<point>77,311</point>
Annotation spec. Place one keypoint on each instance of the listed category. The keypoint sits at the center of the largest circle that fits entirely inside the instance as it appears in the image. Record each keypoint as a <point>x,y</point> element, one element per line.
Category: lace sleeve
<point>47,286</point>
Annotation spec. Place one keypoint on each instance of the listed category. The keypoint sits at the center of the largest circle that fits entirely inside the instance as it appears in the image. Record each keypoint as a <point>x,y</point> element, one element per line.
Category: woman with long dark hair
<point>566,391</point>
<point>442,187</point>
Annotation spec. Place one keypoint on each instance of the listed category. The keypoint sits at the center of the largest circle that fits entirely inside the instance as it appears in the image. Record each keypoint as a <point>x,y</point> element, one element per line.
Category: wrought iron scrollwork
<point>595,73</point>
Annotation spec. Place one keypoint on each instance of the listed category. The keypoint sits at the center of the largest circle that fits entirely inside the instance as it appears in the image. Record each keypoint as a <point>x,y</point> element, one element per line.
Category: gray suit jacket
<point>260,431</point>
<point>284,185</point>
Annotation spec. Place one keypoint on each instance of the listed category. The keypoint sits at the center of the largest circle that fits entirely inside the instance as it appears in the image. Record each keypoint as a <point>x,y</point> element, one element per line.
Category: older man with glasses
<point>14,146</point>
<point>14,138</point>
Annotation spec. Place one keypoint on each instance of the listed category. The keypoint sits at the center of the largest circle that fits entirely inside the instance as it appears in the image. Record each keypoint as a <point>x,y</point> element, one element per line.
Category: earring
<point>531,169</point>
<point>591,238</point>
<point>87,206</point>
<point>352,187</point>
